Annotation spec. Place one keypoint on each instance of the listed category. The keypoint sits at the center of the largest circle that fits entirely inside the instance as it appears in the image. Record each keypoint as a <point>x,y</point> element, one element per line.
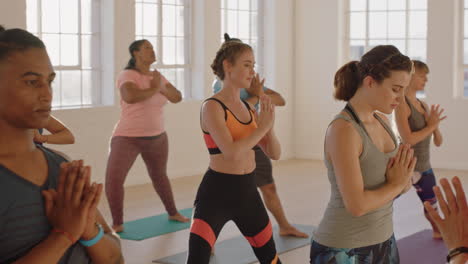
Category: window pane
<point>399,43</point>
<point>138,19</point>
<point>232,4</point>
<point>357,25</point>
<point>180,12</point>
<point>417,24</point>
<point>180,51</point>
<point>357,5</point>
<point>465,51</point>
<point>244,4</point>
<point>417,49</point>
<point>170,76</point>
<point>465,24</point>
<point>181,81</point>
<point>87,87</point>
<point>169,48</point>
<point>377,25</point>
<point>87,16</point>
<point>169,27</point>
<point>396,25</point>
<point>69,16</point>
<point>232,24</point>
<point>465,84</point>
<point>244,24</point>
<point>254,24</point>
<point>86,50</point>
<point>50,16</point>
<point>52,43</point>
<point>31,16</point>
<point>397,5</point>
<point>418,4</point>
<point>56,89</point>
<point>356,49</point>
<point>254,5</point>
<point>150,19</point>
<point>69,50</point>
<point>377,5</point>
<point>71,90</point>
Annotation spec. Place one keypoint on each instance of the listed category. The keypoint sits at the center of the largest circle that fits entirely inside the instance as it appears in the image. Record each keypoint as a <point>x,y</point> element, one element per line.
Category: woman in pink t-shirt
<point>140,130</point>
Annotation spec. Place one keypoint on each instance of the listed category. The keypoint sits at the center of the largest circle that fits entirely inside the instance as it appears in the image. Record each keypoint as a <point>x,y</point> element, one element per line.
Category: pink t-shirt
<point>145,118</point>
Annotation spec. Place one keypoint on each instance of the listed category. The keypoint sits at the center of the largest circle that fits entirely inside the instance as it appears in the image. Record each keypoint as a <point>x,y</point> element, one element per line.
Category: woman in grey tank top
<point>366,168</point>
<point>416,125</point>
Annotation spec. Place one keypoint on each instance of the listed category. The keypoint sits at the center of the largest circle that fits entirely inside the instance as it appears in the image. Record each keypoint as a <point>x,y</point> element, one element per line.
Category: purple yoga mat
<point>420,247</point>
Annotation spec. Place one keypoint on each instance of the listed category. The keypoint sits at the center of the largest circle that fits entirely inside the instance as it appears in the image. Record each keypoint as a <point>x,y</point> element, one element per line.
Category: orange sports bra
<point>238,129</point>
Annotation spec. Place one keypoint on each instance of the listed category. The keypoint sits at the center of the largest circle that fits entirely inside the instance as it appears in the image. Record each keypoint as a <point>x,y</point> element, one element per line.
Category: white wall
<point>187,153</point>
<point>319,35</point>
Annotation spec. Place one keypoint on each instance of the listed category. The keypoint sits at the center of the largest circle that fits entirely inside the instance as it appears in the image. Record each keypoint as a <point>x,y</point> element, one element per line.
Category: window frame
<point>96,99</point>
<point>159,64</point>
<point>260,29</point>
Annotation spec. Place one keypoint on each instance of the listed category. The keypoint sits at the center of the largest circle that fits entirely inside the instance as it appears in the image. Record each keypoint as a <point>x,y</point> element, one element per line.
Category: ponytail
<point>347,81</point>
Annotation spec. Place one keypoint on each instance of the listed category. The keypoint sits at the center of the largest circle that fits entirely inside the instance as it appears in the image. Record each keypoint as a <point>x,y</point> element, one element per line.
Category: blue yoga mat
<point>238,251</point>
<point>153,226</point>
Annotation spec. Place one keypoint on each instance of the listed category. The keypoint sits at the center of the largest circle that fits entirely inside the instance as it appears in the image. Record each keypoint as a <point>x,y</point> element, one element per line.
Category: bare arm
<point>214,123</point>
<point>270,145</point>
<point>343,146</point>
<point>171,93</point>
<point>276,98</point>
<point>60,134</point>
<point>437,135</point>
<point>402,113</point>
<point>107,250</point>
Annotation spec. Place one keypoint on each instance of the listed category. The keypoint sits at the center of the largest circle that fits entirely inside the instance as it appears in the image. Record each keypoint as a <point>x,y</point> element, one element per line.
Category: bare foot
<point>179,218</point>
<point>118,228</point>
<point>292,231</point>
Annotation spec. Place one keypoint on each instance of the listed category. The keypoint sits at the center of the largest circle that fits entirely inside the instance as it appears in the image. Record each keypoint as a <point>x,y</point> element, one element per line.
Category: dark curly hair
<point>230,50</point>
<point>378,63</point>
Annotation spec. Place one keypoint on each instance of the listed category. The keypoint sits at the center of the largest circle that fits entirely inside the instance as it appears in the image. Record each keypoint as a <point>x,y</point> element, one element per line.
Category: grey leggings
<point>123,153</point>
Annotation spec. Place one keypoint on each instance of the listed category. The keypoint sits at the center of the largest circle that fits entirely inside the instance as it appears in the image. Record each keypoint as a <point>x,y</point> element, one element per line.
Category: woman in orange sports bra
<point>231,129</point>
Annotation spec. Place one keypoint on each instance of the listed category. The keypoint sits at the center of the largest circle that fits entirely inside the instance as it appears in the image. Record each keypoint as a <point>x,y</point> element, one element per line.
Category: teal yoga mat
<point>238,251</point>
<point>153,226</point>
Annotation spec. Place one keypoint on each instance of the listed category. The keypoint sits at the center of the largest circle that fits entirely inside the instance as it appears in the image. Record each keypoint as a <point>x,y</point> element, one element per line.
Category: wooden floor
<point>303,188</point>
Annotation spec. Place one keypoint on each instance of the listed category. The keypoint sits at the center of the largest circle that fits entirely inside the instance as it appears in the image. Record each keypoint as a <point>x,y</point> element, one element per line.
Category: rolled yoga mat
<point>238,251</point>
<point>153,226</point>
<point>420,247</point>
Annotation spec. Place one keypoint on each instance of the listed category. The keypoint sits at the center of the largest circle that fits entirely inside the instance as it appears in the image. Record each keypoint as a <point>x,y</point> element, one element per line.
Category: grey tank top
<point>417,122</point>
<point>340,229</point>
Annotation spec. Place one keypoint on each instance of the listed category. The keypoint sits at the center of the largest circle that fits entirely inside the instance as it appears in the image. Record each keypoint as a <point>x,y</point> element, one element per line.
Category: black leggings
<point>222,197</point>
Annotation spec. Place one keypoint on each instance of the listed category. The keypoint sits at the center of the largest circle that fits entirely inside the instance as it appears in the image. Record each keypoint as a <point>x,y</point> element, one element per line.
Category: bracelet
<point>66,234</point>
<point>456,251</point>
<point>94,240</point>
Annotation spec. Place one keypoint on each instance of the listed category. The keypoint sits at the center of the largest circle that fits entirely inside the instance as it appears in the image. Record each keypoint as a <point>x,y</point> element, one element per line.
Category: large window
<point>242,19</point>
<point>465,48</point>
<point>165,23</point>
<point>402,23</point>
<point>70,30</point>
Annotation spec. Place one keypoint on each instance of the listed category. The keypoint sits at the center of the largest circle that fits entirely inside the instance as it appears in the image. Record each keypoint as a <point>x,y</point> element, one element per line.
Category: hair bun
<point>226,37</point>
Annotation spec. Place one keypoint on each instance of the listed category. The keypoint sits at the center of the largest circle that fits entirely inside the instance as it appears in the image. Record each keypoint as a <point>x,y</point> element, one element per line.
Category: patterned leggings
<point>382,253</point>
<point>123,153</point>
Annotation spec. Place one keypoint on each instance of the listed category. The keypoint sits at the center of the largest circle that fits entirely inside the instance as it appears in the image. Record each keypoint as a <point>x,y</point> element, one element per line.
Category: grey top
<point>417,122</point>
<point>23,223</point>
<point>339,228</point>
